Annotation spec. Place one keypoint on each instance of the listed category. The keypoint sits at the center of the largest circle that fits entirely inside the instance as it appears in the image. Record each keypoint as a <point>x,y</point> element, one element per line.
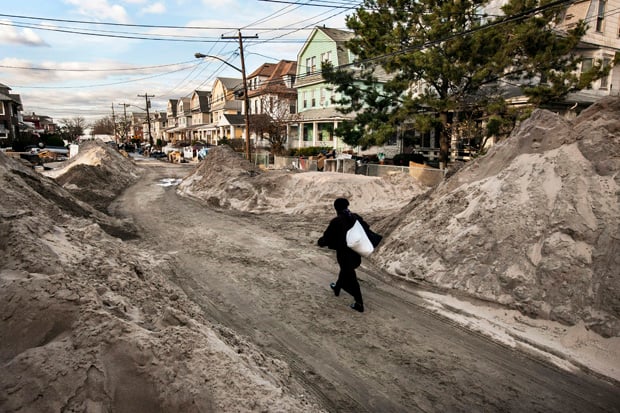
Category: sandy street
<point>130,285</point>
<point>263,277</point>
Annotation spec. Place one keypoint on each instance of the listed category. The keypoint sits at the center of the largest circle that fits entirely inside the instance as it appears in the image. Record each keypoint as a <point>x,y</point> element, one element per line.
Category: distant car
<point>158,155</point>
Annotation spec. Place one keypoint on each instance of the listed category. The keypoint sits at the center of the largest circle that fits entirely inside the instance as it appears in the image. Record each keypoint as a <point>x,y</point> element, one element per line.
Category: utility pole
<point>148,117</point>
<point>114,125</point>
<point>245,91</point>
<point>125,120</point>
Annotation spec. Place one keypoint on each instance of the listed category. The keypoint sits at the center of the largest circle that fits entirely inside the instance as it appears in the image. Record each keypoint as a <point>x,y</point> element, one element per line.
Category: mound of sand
<point>90,323</point>
<point>226,180</point>
<point>97,175</point>
<point>534,224</point>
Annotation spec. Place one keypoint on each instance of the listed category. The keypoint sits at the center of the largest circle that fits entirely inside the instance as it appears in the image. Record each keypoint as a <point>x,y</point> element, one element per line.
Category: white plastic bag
<point>358,241</point>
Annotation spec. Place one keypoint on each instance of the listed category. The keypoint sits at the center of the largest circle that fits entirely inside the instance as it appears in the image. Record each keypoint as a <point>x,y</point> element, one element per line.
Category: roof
<point>265,70</point>
<point>11,97</point>
<point>284,68</point>
<point>325,114</point>
<point>16,98</point>
<point>339,37</point>
<point>203,99</point>
<point>336,35</point>
<point>275,82</point>
<point>186,105</point>
<point>235,119</point>
<point>230,82</point>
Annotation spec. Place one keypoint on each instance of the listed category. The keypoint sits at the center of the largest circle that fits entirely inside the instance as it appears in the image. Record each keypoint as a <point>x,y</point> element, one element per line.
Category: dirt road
<point>263,277</point>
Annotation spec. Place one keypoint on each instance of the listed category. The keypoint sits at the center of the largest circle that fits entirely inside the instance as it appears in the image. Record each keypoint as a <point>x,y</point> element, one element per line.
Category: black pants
<point>347,280</point>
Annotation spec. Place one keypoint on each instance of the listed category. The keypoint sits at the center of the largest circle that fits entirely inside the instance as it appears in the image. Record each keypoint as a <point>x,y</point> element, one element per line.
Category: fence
<point>260,159</point>
<point>295,162</point>
<point>424,174</point>
<point>371,169</point>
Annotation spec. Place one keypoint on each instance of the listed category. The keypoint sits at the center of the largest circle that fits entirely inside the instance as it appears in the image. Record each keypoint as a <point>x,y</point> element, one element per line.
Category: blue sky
<point>63,74</point>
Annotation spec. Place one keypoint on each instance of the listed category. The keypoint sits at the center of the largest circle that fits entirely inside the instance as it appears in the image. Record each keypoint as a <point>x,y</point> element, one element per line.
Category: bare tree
<point>271,125</point>
<point>103,126</point>
<point>72,129</point>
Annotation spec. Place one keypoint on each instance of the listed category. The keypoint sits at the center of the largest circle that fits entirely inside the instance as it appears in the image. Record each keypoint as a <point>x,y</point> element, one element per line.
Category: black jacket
<point>335,238</point>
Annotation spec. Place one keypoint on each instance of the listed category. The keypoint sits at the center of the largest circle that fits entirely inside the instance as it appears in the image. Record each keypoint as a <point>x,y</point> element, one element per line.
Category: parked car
<point>158,155</point>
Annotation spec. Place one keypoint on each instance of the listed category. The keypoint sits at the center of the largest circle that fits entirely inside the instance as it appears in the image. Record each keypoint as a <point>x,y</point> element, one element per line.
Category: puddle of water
<point>169,182</point>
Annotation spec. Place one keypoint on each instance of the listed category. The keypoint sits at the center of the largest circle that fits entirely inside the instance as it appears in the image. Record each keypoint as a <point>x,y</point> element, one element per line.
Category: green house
<point>317,115</point>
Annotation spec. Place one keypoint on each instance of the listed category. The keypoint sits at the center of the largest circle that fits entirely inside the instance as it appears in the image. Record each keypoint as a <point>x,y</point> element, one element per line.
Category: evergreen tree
<point>460,58</point>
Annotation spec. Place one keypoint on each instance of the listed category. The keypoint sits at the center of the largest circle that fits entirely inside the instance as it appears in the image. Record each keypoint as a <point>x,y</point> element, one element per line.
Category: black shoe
<point>357,307</point>
<point>336,290</point>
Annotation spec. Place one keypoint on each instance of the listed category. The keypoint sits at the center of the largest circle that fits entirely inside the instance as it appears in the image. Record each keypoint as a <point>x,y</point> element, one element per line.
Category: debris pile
<point>97,174</point>
<point>90,323</point>
<point>226,180</point>
<point>533,225</point>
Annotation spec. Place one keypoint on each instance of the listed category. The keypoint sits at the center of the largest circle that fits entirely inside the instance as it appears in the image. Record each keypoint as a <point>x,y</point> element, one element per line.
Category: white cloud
<point>100,9</point>
<point>218,4</point>
<point>155,8</point>
<point>10,34</point>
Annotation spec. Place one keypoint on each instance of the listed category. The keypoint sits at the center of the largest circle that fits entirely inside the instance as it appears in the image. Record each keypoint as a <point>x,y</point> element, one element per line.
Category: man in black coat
<point>334,237</point>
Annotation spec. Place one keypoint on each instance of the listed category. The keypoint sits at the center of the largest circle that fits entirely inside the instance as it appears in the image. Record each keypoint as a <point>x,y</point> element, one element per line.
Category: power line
<point>105,84</point>
<point>309,26</point>
<point>322,3</point>
<point>498,22</point>
<point>150,26</point>
<point>272,16</point>
<point>120,35</point>
<point>96,70</point>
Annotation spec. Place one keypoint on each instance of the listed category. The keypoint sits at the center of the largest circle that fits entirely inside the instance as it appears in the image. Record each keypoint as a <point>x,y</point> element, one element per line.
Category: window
<point>600,16</point>
<point>1,108</point>
<point>326,57</point>
<point>314,98</point>
<point>308,63</point>
<point>605,79</point>
<point>322,98</point>
<point>586,65</point>
<point>305,99</point>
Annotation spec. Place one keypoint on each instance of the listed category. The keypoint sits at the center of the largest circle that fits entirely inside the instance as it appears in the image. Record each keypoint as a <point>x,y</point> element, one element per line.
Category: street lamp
<point>245,97</point>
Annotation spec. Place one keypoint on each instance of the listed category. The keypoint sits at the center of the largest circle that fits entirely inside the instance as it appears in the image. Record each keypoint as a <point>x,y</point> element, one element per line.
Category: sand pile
<point>97,175</point>
<point>534,224</point>
<point>224,179</point>
<point>90,323</point>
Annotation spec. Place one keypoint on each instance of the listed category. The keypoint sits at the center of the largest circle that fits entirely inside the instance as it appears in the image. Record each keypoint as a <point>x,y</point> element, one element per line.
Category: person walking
<point>334,238</point>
